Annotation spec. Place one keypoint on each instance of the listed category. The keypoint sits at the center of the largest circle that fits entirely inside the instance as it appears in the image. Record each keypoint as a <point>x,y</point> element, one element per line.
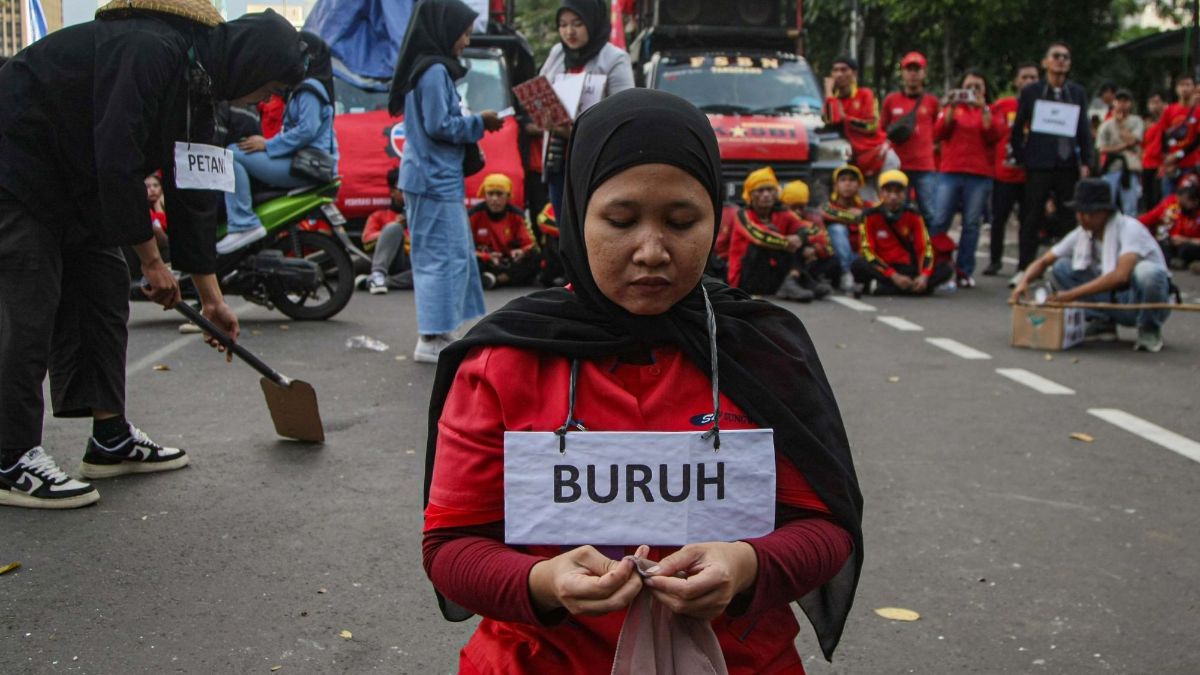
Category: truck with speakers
<point>742,64</point>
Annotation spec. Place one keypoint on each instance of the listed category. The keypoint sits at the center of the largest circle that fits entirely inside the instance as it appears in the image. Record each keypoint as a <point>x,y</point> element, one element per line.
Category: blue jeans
<point>1127,198</point>
<point>1150,283</point>
<point>839,237</point>
<point>239,204</point>
<point>970,194</point>
<point>925,185</point>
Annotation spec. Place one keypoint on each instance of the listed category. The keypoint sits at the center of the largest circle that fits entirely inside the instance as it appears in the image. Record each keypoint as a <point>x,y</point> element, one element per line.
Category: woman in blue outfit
<point>307,123</point>
<point>445,276</point>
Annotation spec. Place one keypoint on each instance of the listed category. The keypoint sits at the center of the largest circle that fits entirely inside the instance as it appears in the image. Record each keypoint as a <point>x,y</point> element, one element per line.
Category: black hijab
<point>244,54</point>
<point>318,62</point>
<point>767,363</point>
<point>434,28</point>
<point>599,27</point>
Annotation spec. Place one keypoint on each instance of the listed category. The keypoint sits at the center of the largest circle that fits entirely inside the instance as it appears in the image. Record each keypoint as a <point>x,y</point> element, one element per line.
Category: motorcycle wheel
<point>337,282</point>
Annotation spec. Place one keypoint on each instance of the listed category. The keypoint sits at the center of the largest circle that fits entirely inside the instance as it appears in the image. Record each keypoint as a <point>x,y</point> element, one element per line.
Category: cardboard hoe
<point>293,403</point>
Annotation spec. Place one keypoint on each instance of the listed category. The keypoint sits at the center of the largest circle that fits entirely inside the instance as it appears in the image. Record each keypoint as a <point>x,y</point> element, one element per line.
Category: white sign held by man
<point>1054,118</point>
<point>203,167</point>
<point>631,488</point>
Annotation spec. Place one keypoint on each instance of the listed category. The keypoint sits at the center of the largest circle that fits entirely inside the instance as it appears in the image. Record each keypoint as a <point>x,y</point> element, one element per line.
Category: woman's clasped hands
<point>698,580</point>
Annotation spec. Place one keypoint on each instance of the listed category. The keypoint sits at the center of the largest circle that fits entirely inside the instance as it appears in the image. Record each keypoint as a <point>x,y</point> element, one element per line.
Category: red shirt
<point>504,235</point>
<point>159,218</point>
<point>1181,117</point>
<point>1005,111</point>
<point>858,115</point>
<point>377,221</point>
<point>1167,212</point>
<point>1152,156</point>
<point>270,112</point>
<point>880,245</point>
<point>748,230</point>
<point>916,154</point>
<point>967,145</point>
<point>506,388</point>
<point>839,213</point>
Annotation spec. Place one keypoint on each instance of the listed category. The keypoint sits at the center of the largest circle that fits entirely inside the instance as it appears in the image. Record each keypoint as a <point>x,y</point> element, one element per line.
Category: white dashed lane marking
<point>1151,432</point>
<point>900,324</point>
<point>1035,382</point>
<point>856,305</point>
<point>958,349</point>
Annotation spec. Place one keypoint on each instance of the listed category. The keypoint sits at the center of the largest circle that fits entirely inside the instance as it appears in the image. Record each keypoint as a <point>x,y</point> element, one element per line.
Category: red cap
<point>911,58</point>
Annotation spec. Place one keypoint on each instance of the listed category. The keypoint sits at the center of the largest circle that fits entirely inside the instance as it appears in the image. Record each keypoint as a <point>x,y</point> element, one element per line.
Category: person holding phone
<point>968,132</point>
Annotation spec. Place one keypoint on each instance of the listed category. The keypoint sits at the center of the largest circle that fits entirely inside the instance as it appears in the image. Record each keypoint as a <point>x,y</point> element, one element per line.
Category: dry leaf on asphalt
<point>275,668</point>
<point>897,614</point>
<point>893,379</point>
<point>346,635</point>
<point>9,567</point>
<point>285,327</point>
<point>161,367</point>
<point>322,590</point>
<point>1080,436</point>
<point>1049,357</point>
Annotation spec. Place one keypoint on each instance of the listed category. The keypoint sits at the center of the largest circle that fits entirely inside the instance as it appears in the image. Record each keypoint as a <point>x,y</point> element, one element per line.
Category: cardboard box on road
<point>1047,328</point>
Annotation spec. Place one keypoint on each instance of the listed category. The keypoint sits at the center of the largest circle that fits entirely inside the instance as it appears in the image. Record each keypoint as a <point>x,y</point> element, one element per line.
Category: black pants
<point>828,270</point>
<point>1040,184</point>
<point>71,324</point>
<point>1005,196</point>
<point>512,272</point>
<point>1151,189</point>
<point>551,269</point>
<point>1188,253</point>
<point>865,271</point>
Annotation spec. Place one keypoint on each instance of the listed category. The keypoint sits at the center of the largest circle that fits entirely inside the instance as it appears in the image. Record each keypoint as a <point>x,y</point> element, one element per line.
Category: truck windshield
<point>737,84</point>
<point>484,88</point>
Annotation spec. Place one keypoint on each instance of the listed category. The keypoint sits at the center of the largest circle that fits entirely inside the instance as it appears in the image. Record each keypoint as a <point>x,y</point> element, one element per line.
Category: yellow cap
<point>495,182</point>
<point>795,192</point>
<point>764,177</point>
<point>847,168</point>
<point>893,176</point>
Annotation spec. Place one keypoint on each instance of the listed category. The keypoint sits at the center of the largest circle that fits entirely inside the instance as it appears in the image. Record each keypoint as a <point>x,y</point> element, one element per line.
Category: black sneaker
<point>36,482</point>
<point>136,454</point>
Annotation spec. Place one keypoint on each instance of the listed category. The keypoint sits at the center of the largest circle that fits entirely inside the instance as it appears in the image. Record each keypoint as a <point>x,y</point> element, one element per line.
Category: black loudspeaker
<point>744,13</point>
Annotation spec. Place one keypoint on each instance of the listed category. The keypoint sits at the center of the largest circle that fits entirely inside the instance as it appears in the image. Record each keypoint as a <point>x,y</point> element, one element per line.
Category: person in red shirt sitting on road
<point>821,269</point>
<point>855,110</point>
<point>843,215</point>
<point>386,235</point>
<point>968,133</point>
<point>897,257</point>
<point>504,244</point>
<point>1175,222</point>
<point>765,241</point>
<point>908,116</point>
<point>1008,188</point>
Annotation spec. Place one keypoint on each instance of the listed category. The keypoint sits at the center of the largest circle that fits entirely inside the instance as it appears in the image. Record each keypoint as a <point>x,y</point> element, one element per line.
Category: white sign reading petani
<point>203,167</point>
<point>627,488</point>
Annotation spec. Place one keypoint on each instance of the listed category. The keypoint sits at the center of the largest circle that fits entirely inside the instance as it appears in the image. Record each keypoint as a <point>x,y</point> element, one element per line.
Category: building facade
<point>14,23</point>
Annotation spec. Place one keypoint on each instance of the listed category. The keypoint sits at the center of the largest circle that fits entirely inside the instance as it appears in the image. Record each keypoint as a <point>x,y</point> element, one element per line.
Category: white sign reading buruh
<point>625,488</point>
<point>203,167</point>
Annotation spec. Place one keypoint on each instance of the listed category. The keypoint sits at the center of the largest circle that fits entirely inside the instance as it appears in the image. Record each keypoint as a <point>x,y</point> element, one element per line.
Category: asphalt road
<point>1023,550</point>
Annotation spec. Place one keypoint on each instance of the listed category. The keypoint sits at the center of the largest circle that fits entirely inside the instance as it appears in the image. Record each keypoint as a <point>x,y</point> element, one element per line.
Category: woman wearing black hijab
<point>446,284</point>
<point>95,108</point>
<point>307,123</point>
<point>583,30</point>
<point>642,194</point>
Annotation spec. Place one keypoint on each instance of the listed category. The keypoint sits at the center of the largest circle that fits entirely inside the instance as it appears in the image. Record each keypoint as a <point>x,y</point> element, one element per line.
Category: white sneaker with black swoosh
<point>135,454</point>
<point>36,482</point>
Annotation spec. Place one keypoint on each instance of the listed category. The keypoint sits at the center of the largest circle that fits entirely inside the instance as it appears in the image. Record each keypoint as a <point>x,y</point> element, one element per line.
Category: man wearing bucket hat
<point>97,107</point>
<point>1109,257</point>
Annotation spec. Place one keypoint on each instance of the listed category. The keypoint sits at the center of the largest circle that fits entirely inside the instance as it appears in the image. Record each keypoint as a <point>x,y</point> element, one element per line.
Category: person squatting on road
<point>446,285</point>
<point>628,348</point>
<point>765,239</point>
<point>97,107</point>
<point>1109,257</point>
<point>386,236</point>
<point>1175,222</point>
<point>820,264</point>
<point>897,255</point>
<point>843,216</point>
<point>504,243</point>
<point>307,123</point>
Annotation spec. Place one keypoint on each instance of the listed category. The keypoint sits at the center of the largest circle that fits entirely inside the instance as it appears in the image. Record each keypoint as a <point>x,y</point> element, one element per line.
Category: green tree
<point>535,19</point>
